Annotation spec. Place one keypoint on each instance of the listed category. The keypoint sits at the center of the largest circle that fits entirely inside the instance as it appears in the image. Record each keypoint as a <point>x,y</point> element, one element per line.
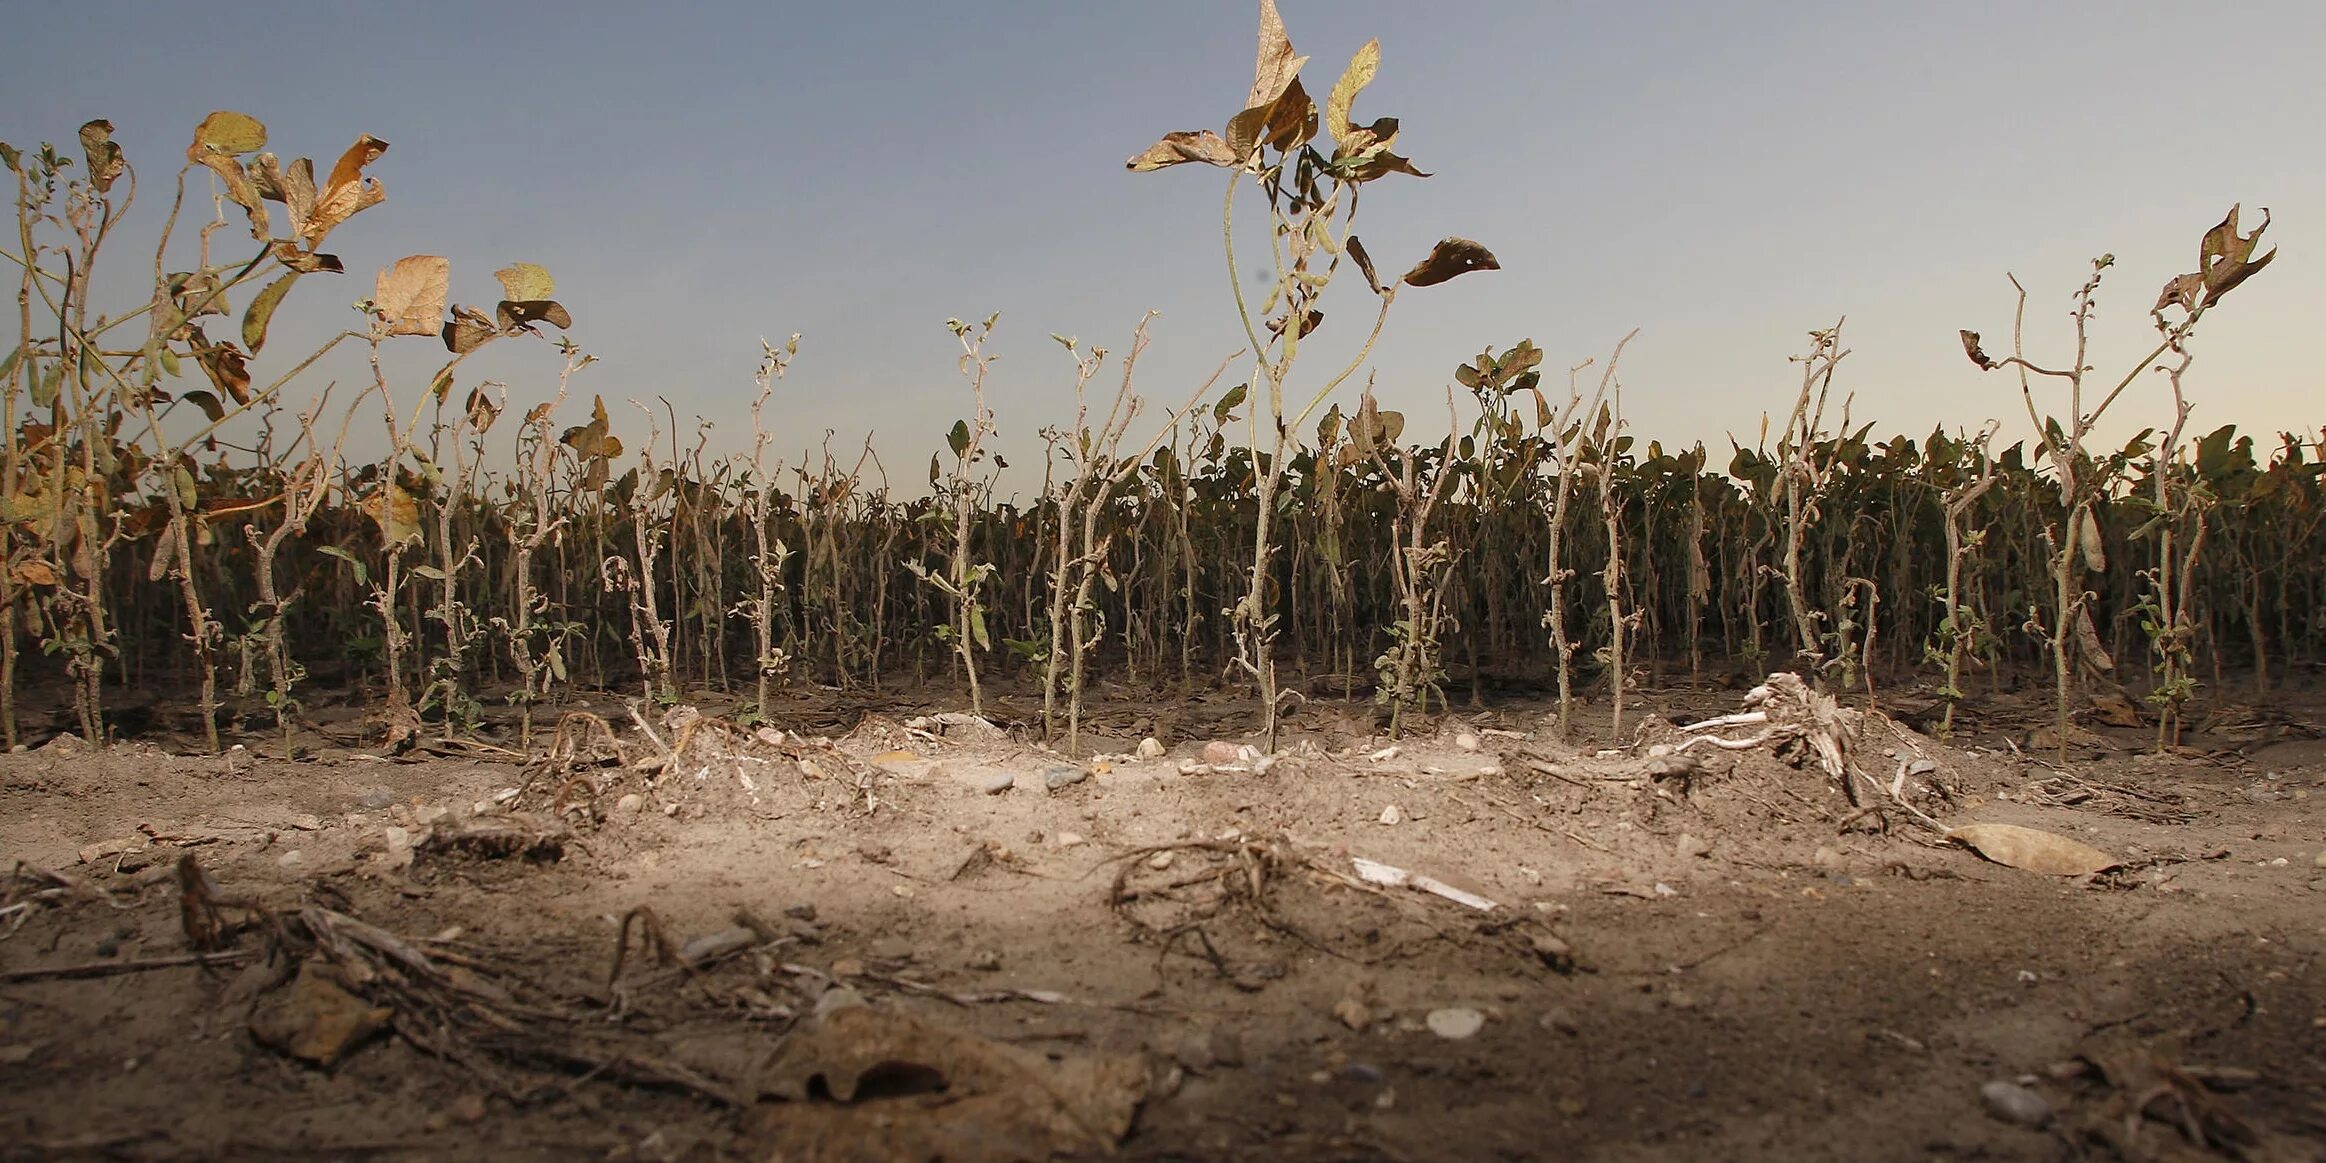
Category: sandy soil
<point>1718,960</point>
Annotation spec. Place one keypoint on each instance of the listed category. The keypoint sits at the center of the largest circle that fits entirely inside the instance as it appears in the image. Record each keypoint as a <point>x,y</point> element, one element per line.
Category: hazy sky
<point>1724,177</point>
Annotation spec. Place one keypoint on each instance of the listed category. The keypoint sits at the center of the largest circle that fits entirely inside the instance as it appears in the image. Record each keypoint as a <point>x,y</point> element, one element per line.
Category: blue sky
<point>1723,177</point>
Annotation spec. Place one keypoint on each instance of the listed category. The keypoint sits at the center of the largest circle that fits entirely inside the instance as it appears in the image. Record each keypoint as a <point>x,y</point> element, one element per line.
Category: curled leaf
<point>1364,263</point>
<point>513,315</point>
<point>469,330</point>
<point>225,364</point>
<point>305,262</point>
<point>1979,357</point>
<point>227,132</point>
<point>1201,145</point>
<point>2227,257</point>
<point>104,157</point>
<point>1450,259</point>
<point>348,192</point>
<point>396,514</point>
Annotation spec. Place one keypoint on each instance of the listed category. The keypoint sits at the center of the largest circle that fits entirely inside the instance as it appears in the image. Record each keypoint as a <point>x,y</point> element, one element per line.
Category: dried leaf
<point>104,157</point>
<point>1201,145</point>
<point>409,296</point>
<point>1971,348</point>
<point>2181,291</point>
<point>395,512</point>
<point>2227,257</point>
<point>348,192</point>
<point>2033,850</point>
<point>1283,123</point>
<point>1353,80</point>
<point>225,364</point>
<point>592,440</point>
<point>35,572</point>
<point>469,330</point>
<point>208,402</point>
<point>305,262</point>
<point>1364,263</point>
<point>513,315</point>
<point>262,311</point>
<point>1275,68</point>
<point>1450,259</point>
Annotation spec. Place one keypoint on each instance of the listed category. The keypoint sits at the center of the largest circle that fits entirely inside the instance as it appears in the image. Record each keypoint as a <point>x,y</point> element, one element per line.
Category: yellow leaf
<point>525,282</point>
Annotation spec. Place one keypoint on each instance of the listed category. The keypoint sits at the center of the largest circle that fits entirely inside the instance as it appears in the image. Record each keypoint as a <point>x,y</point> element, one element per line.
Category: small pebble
<point>1219,751</point>
<point>1466,741</point>
<point>2320,861</point>
<point>2014,1103</point>
<point>1064,776</point>
<point>1392,815</point>
<point>992,783</point>
<point>629,804</point>
<point>1456,1023</point>
<point>376,799</point>
<point>1150,748</point>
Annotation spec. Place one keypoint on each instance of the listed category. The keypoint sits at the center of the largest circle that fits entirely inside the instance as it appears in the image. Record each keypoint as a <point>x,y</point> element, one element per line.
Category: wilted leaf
<point>469,330</point>
<point>1229,402</point>
<point>594,440</point>
<point>208,402</point>
<point>105,160</point>
<point>1200,145</point>
<point>1274,69</point>
<point>2227,257</point>
<point>1450,259</point>
<point>513,315</point>
<point>525,281</point>
<point>2033,850</point>
<point>409,296</point>
<point>1971,348</point>
<point>225,364</point>
<point>483,409</point>
<point>348,192</point>
<point>305,262</point>
<point>1364,263</point>
<point>262,311</point>
<point>35,572</point>
<point>2182,291</point>
<point>396,514</point>
<point>1308,323</point>
<point>1284,123</point>
<point>1353,80</point>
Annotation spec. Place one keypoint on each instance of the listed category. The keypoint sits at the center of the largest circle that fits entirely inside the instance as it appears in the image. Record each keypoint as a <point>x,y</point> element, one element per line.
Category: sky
<point>1722,177</point>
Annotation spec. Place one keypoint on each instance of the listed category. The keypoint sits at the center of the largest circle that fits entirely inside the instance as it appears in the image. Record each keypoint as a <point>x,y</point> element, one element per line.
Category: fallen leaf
<point>2033,850</point>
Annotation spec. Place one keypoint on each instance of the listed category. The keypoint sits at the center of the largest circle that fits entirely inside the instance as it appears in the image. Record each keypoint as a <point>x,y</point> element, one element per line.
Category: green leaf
<point>262,312</point>
<point>363,575</point>
<point>958,438</point>
<point>977,629</point>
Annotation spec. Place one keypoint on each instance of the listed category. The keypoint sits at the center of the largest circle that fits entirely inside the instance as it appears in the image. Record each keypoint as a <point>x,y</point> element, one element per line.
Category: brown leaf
<point>293,187</point>
<point>105,160</point>
<point>348,192</point>
<point>35,572</point>
<point>409,296</point>
<point>1308,323</point>
<point>469,330</point>
<point>2225,256</point>
<point>305,262</point>
<point>1364,263</point>
<point>1283,123</point>
<point>1971,348</point>
<point>1450,259</point>
<point>2033,850</point>
<point>225,364</point>
<point>1200,145</point>
<point>2181,291</point>
<point>513,315</point>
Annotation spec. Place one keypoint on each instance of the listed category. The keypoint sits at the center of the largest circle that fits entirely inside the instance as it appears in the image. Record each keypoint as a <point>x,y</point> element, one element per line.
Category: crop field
<point>427,767</point>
